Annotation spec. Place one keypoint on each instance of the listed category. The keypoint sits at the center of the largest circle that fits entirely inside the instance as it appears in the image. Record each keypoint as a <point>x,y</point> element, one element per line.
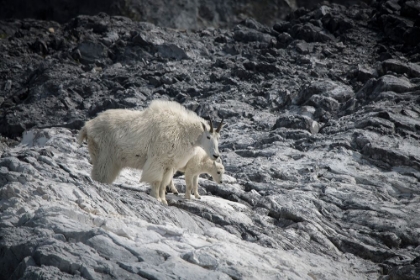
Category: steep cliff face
<point>180,14</point>
<point>321,147</point>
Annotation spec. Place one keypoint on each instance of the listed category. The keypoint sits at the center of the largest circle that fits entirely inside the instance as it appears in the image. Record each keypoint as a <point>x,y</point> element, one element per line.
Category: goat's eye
<point>208,137</point>
<point>218,172</point>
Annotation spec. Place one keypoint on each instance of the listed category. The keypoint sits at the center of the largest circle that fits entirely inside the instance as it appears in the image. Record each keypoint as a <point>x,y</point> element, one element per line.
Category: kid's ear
<point>219,160</point>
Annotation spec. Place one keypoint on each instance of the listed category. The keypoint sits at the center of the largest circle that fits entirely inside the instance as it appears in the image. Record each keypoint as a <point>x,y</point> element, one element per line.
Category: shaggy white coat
<point>158,140</point>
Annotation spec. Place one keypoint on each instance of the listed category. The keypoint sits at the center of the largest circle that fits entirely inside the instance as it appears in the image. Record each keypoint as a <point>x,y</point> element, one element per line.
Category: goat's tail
<point>82,135</point>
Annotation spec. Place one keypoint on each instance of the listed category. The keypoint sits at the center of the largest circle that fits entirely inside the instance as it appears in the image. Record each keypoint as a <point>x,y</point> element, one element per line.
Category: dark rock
<point>376,123</point>
<point>411,36</point>
<point>297,122</point>
<point>385,56</point>
<point>105,105</point>
<point>221,39</point>
<point>310,33</point>
<point>385,83</point>
<point>253,24</point>
<point>91,52</point>
<point>265,68</point>
<point>412,70</point>
<point>365,73</point>
<point>11,129</point>
<point>391,156</point>
<point>172,51</point>
<point>321,12</point>
<point>155,81</point>
<point>247,35</point>
<point>395,26</point>
<point>282,26</point>
<point>299,12</point>
<point>143,39</point>
<point>391,5</point>
<point>405,272</point>
<point>304,48</point>
<point>337,24</point>
<point>242,74</point>
<point>39,46</point>
<point>410,9</point>
<point>365,251</point>
<point>222,64</point>
<point>326,103</point>
<point>327,88</point>
<point>390,239</point>
<point>283,40</point>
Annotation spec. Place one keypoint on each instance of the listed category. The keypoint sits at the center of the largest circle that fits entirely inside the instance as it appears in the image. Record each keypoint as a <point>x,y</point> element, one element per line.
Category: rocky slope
<point>181,14</point>
<point>321,148</point>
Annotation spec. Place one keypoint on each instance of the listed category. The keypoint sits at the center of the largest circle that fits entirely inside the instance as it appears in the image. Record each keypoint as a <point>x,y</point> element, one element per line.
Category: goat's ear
<point>204,126</point>
<point>219,160</point>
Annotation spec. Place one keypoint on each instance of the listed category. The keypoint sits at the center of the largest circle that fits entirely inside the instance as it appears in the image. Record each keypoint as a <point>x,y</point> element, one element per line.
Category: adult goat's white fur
<point>200,163</point>
<point>158,140</point>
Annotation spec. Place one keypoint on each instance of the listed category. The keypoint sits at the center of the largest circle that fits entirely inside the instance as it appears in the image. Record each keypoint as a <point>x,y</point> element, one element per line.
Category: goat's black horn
<point>211,125</point>
<point>220,126</point>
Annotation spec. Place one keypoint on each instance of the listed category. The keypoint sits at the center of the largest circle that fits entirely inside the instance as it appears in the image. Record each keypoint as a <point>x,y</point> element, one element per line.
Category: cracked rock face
<point>321,148</point>
<point>181,14</point>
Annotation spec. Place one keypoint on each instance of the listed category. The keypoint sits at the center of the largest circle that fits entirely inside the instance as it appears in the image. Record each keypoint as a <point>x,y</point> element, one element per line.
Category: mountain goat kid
<point>198,164</point>
<point>158,140</point>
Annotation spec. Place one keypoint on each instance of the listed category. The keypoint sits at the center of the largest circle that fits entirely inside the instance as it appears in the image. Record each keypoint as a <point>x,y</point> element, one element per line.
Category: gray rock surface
<point>321,149</point>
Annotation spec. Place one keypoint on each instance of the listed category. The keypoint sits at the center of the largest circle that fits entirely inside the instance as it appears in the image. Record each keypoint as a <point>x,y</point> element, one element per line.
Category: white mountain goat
<point>198,164</point>
<point>158,140</point>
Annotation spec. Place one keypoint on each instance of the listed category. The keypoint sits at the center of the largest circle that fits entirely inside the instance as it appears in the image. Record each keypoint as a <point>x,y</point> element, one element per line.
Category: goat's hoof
<point>198,197</point>
<point>175,193</point>
<point>187,197</point>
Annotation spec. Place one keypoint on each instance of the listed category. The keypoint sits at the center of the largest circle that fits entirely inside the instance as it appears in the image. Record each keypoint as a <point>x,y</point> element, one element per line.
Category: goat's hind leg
<point>93,149</point>
<point>195,187</point>
<point>166,179</point>
<point>153,173</point>
<point>105,169</point>
<point>154,191</point>
<point>172,187</point>
<point>189,182</point>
